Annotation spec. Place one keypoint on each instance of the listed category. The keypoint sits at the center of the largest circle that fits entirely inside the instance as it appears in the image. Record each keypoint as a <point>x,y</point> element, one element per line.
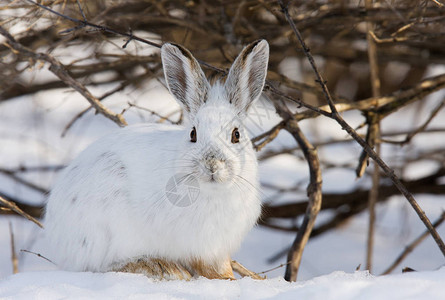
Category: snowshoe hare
<point>164,200</point>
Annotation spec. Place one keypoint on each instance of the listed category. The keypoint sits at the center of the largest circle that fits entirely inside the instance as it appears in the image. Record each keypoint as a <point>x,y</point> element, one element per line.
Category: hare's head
<point>219,149</point>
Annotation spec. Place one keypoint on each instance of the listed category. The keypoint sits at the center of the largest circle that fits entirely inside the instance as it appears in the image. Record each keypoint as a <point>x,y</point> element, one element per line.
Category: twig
<point>383,105</point>
<point>73,120</point>
<point>309,57</point>
<point>14,260</point>
<point>129,39</point>
<point>373,138</point>
<point>268,136</point>
<point>404,97</point>
<point>372,200</point>
<point>372,56</point>
<point>412,245</point>
<point>387,40</point>
<point>119,88</point>
<point>84,23</point>
<point>243,271</point>
<point>59,70</point>
<point>28,169</point>
<point>277,267</point>
<point>35,211</point>
<point>26,183</point>
<point>313,191</point>
<point>372,154</point>
<point>422,127</point>
<point>355,202</point>
<point>269,87</point>
<point>83,112</point>
<point>14,207</point>
<point>81,11</point>
<point>373,119</point>
<point>161,117</point>
<point>438,3</point>
<point>315,198</point>
<point>337,220</point>
<point>288,150</point>
<point>38,255</point>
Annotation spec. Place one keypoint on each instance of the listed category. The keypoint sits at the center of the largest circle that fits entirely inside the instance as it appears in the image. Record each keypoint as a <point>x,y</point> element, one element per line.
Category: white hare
<point>168,201</point>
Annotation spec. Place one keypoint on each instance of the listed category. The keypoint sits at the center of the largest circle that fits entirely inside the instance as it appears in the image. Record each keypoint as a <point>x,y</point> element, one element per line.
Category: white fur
<point>110,206</point>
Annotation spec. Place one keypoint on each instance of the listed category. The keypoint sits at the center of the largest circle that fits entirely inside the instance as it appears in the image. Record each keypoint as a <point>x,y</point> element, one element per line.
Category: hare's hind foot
<point>224,271</point>
<point>164,269</point>
<point>156,268</point>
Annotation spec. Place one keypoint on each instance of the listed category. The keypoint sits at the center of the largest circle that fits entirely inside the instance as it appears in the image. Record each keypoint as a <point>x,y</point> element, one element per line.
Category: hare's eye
<point>193,135</point>
<point>235,136</point>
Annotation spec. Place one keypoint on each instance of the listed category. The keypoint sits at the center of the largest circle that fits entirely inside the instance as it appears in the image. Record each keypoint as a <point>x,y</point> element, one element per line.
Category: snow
<point>337,285</point>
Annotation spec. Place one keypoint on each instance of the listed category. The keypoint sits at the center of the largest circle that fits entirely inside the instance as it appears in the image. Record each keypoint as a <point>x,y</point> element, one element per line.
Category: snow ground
<point>338,285</point>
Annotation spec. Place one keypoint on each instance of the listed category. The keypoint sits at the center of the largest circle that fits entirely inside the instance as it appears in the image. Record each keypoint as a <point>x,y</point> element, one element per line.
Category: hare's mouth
<point>217,177</point>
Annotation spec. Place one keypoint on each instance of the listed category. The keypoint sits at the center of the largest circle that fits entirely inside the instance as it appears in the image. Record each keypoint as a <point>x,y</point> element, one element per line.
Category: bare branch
<point>372,138</point>
<point>13,176</point>
<point>38,255</point>
<point>383,105</point>
<point>84,23</point>
<point>267,136</point>
<point>345,126</point>
<point>422,127</point>
<point>161,117</point>
<point>243,271</point>
<point>12,206</point>
<point>14,260</point>
<point>59,70</point>
<point>408,249</point>
<point>313,191</point>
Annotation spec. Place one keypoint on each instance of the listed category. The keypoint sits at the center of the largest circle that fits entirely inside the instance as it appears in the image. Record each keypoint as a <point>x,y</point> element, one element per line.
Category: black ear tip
<point>263,42</point>
<point>167,45</point>
<point>260,44</point>
<point>166,48</point>
<point>170,46</point>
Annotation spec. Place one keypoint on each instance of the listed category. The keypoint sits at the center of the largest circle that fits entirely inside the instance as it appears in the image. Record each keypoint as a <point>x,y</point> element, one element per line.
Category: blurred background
<point>383,62</point>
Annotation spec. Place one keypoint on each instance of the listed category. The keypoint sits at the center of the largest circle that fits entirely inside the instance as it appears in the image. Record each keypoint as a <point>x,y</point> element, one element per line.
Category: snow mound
<point>338,285</point>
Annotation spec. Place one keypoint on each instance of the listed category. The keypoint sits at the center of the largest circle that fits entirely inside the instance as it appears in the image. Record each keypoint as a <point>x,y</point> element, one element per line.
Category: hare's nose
<point>213,165</point>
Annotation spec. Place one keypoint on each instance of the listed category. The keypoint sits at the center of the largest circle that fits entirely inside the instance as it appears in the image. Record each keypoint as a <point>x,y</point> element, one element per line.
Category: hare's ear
<point>246,77</point>
<point>185,79</point>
